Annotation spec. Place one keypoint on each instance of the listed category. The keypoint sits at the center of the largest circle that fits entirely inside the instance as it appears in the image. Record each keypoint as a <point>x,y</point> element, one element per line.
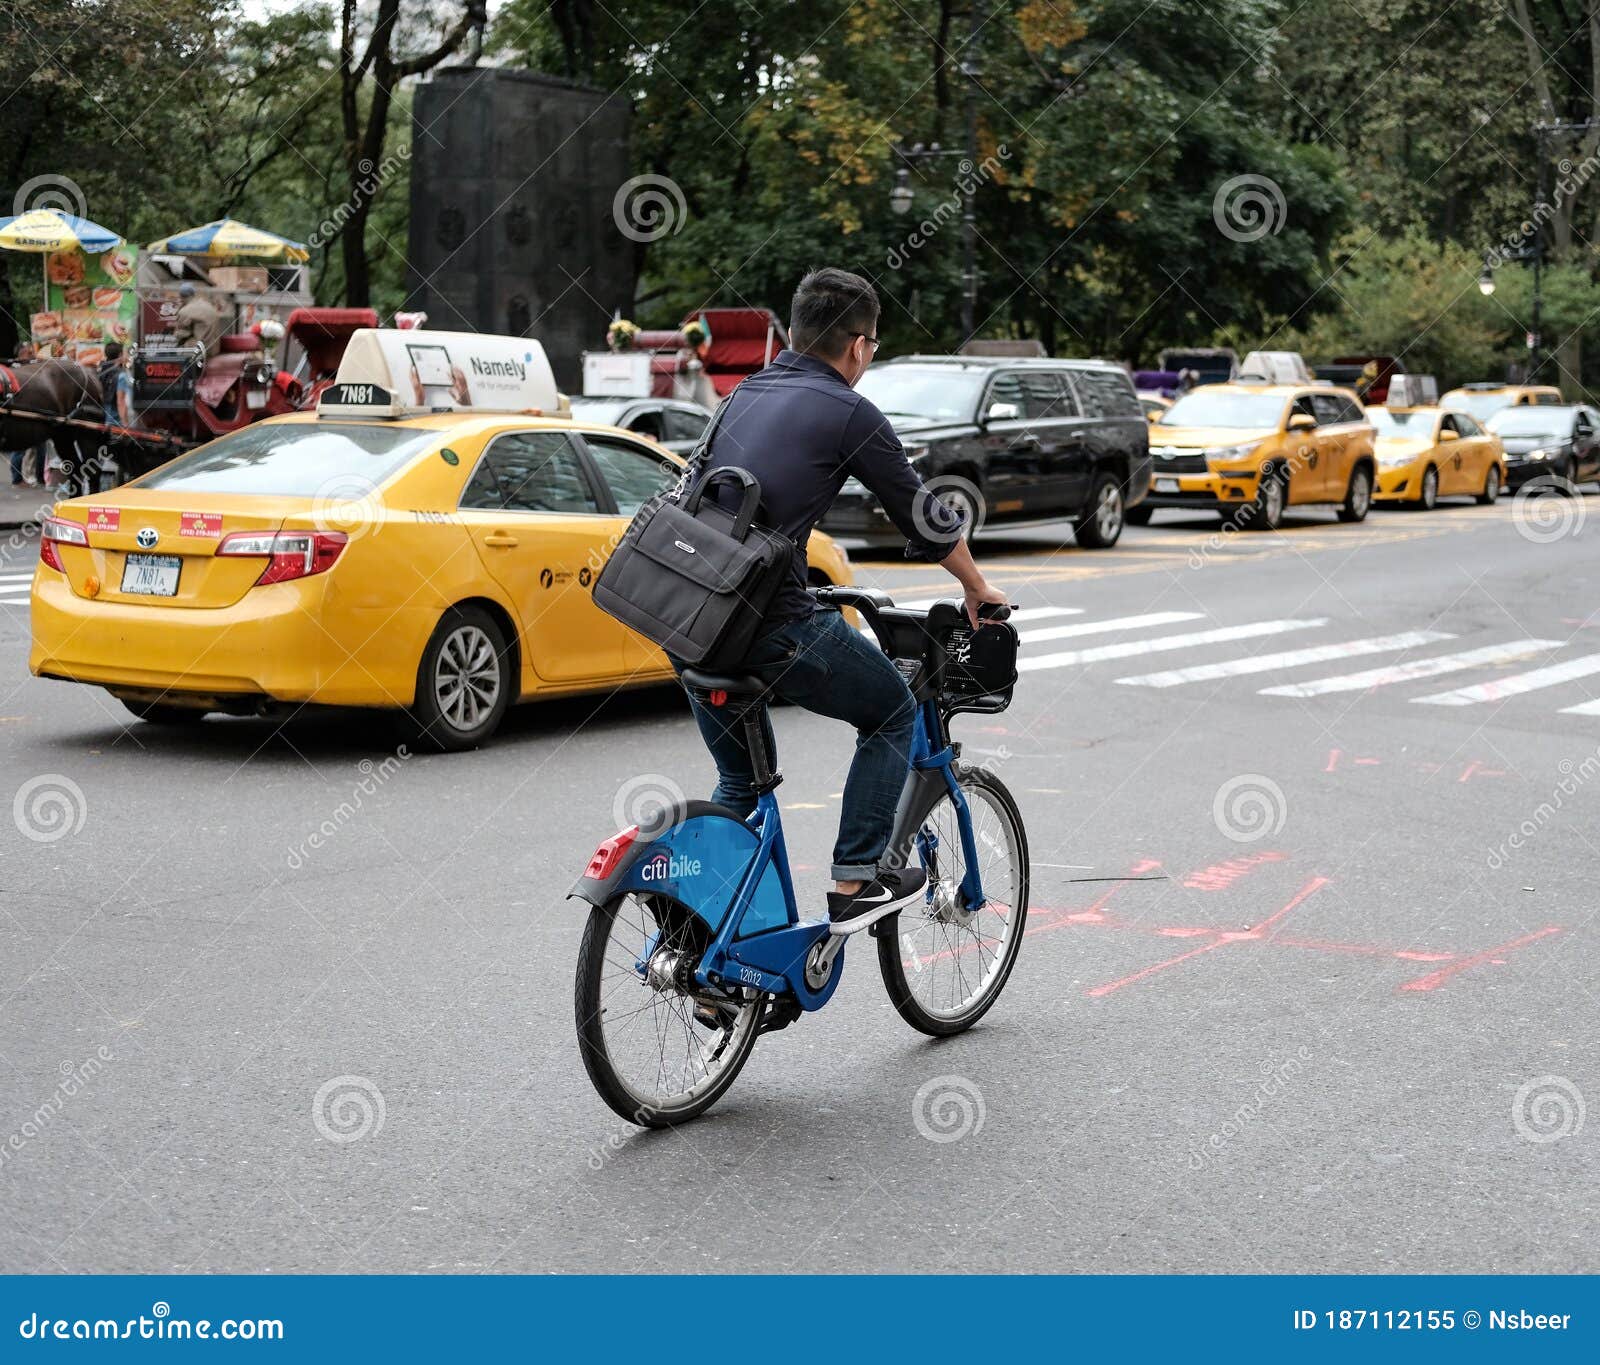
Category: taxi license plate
<point>1166,485</point>
<point>151,575</point>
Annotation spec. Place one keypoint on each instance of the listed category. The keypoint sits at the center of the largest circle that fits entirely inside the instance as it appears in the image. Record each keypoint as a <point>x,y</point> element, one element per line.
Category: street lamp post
<point>901,196</point>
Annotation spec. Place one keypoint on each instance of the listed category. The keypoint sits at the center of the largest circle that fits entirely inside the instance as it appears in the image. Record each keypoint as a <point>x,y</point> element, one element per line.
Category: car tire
<point>1358,496</point>
<point>1563,479</point>
<point>1101,528</point>
<point>160,713</point>
<point>1428,497</point>
<point>464,682</point>
<point>1138,516</point>
<point>1271,501</point>
<point>1491,487</point>
<point>963,497</point>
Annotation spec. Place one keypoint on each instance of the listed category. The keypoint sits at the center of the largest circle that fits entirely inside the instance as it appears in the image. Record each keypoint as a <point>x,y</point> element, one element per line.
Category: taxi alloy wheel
<point>1272,495</point>
<point>464,684</point>
<point>1491,487</point>
<point>1358,498</point>
<point>1429,496</point>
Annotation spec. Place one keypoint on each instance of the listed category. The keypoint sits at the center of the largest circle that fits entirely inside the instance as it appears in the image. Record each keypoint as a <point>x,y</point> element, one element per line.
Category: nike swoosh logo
<point>884,895</point>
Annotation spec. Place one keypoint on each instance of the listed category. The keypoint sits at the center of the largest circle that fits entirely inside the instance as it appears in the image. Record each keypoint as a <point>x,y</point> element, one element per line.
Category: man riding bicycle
<point>800,428</point>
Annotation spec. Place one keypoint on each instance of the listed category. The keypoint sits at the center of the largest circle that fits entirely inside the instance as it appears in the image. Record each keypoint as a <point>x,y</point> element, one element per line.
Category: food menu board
<point>89,300</point>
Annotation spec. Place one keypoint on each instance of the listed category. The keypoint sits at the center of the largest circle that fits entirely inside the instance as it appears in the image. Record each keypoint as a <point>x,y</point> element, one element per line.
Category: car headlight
<point>1537,455</point>
<point>1228,454</point>
<point>1394,461</point>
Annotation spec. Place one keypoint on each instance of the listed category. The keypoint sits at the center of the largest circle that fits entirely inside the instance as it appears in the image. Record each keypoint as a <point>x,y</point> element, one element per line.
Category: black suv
<point>1007,441</point>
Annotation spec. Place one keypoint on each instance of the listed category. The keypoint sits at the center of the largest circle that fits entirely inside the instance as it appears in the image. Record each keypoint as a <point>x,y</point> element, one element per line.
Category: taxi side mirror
<point>1449,435</point>
<point>1002,412</point>
<point>1301,421</point>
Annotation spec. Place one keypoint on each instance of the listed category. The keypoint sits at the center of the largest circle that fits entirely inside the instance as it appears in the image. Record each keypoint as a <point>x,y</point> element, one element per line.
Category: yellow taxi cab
<point>425,541</point>
<point>1273,438</point>
<point>1482,400</point>
<point>1425,451</point>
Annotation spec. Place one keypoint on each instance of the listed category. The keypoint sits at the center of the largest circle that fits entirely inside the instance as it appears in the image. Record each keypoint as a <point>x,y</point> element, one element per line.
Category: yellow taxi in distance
<point>1252,448</point>
<point>426,541</point>
<point>1425,453</point>
<point>1483,400</point>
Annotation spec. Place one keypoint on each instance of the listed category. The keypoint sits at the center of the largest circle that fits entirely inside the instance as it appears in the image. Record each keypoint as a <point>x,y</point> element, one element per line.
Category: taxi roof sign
<point>1413,391</point>
<point>389,372</point>
<point>1276,367</point>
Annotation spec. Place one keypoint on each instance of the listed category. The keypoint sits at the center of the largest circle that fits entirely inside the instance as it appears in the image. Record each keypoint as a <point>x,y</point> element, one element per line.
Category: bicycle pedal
<point>780,1014</point>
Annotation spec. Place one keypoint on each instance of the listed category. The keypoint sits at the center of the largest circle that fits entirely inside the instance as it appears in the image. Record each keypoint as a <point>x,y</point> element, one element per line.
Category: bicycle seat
<point>742,685</point>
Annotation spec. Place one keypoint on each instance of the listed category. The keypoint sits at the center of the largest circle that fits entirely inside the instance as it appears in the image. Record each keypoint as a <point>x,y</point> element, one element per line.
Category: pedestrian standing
<point>27,466</point>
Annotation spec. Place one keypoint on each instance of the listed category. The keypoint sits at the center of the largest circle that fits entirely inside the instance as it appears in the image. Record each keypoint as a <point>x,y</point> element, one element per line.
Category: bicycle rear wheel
<point>944,966</point>
<point>658,1053</point>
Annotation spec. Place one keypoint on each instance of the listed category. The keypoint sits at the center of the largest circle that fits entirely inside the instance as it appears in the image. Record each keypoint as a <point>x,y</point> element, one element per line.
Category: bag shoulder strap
<point>699,455</point>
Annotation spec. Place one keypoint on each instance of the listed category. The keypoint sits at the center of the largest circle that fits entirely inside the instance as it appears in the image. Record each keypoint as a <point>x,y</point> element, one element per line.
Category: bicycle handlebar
<point>869,601</point>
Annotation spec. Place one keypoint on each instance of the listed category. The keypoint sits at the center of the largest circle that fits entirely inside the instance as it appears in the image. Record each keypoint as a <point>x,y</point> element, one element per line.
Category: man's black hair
<point>830,307</point>
<point>113,350</point>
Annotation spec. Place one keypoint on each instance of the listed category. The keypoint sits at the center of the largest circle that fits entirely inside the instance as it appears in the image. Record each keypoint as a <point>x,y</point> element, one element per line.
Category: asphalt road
<point>1291,999</point>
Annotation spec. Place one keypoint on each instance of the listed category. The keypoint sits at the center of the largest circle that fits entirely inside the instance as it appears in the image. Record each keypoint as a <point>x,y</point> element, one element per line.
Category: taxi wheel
<point>157,714</point>
<point>1491,487</point>
<point>464,682</point>
<point>1428,498</point>
<point>1266,512</point>
<point>1358,499</point>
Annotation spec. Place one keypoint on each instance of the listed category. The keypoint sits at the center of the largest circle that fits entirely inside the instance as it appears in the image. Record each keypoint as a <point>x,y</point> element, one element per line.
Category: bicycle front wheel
<point>945,965</point>
<point>657,1052</point>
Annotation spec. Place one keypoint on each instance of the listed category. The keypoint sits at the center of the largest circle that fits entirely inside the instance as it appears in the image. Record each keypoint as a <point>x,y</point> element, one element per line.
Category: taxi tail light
<point>604,860</point>
<point>289,554</point>
<point>53,531</point>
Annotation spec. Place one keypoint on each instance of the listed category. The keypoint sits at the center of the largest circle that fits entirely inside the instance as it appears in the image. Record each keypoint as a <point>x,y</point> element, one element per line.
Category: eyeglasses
<point>866,336</point>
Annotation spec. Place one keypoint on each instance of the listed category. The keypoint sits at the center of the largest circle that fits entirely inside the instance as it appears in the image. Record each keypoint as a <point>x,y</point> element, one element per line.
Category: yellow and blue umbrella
<point>227,237</point>
<point>51,230</point>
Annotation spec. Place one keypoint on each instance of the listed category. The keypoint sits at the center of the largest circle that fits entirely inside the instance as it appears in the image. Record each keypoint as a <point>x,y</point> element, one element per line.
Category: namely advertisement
<point>89,300</point>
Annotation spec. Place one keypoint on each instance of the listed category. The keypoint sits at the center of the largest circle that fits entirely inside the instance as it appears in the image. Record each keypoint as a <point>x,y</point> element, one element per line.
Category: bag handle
<point>698,456</point>
<point>749,500</point>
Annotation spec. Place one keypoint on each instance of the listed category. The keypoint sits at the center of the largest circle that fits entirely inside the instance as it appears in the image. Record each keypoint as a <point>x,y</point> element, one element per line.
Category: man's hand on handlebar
<point>975,589</point>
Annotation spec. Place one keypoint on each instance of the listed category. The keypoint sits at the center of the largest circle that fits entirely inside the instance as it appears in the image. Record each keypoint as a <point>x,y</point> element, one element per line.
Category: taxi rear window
<point>298,460</point>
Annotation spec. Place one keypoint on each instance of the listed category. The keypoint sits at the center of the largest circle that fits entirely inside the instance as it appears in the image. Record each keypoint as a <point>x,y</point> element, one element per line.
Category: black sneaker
<point>882,896</point>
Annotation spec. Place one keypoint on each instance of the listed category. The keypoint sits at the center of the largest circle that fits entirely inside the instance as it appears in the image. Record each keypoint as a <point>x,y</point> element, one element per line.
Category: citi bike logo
<point>663,867</point>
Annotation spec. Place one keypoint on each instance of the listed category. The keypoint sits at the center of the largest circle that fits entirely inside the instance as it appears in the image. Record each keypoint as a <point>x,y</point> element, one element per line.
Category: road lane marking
<point>1413,668</point>
<point>1106,627</point>
<point>1129,648</point>
<point>1265,663</point>
<point>1516,684</point>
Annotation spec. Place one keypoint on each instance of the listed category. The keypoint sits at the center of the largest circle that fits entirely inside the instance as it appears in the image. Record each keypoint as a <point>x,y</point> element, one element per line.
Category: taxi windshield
<point>1224,408</point>
<point>294,460</point>
<point>939,391</point>
<point>1480,405</point>
<point>1401,423</point>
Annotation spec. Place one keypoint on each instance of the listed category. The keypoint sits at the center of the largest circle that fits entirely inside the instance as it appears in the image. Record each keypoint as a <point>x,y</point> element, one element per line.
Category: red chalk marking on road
<point>1333,760</point>
<point>1466,773</point>
<point>1434,980</point>
<point>1222,939</point>
<point>1363,949</point>
<point>1368,762</point>
<point>1220,876</point>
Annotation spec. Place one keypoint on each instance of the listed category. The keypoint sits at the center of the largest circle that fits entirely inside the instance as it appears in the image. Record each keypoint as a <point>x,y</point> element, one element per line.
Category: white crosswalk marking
<point>1412,669</point>
<point>1106,627</point>
<point>1020,614</point>
<point>1588,708</point>
<point>1516,684</point>
<point>1266,663</point>
<point>1129,648</point>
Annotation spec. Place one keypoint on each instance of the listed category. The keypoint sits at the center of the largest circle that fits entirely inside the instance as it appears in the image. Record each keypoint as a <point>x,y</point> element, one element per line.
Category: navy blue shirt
<point>801,430</point>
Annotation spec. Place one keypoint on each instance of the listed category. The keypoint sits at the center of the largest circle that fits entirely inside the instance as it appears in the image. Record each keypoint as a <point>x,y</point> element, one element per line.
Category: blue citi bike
<point>694,945</point>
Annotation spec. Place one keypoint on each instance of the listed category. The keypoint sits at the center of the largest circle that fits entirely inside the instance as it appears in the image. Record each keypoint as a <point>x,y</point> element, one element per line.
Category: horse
<point>52,389</point>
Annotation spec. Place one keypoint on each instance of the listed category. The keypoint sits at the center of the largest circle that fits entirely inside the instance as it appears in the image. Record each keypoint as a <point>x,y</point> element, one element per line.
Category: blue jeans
<point>822,665</point>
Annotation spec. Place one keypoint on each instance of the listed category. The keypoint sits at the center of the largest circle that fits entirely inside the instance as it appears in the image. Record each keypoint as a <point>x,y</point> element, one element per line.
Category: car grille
<point>1171,460</point>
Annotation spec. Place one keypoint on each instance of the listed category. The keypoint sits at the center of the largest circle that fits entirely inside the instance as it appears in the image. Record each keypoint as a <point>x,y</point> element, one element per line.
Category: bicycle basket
<point>973,670</point>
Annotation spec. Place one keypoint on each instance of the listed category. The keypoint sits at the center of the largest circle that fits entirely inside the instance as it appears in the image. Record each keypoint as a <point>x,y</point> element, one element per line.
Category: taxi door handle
<point>500,539</point>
